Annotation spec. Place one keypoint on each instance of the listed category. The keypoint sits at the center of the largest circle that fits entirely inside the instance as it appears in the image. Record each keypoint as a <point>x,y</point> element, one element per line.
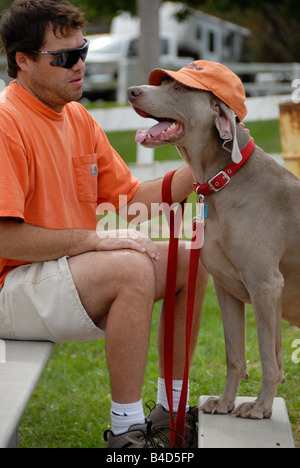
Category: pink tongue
<point>141,135</point>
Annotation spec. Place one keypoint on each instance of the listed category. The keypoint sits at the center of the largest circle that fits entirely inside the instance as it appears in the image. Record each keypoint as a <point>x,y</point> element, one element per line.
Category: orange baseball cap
<point>208,76</point>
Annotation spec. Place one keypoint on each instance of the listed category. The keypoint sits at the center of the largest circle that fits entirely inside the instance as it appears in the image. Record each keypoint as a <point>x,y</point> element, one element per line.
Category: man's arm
<point>28,243</point>
<point>151,192</point>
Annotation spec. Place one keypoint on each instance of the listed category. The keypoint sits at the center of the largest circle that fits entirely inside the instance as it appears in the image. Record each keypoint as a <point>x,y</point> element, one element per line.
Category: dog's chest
<point>221,256</point>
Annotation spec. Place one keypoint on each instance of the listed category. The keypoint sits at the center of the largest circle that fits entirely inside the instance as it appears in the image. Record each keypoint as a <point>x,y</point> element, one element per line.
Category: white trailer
<point>199,36</point>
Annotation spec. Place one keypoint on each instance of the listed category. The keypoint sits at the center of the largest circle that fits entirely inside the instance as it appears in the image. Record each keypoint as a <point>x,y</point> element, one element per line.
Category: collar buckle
<point>219,181</point>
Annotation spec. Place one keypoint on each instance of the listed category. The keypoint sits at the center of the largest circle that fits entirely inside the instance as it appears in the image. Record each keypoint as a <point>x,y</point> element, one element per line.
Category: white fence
<point>259,79</point>
<point>266,78</point>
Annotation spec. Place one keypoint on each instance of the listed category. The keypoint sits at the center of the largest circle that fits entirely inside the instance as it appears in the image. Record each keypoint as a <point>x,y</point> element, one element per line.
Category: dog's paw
<point>254,410</point>
<point>217,406</point>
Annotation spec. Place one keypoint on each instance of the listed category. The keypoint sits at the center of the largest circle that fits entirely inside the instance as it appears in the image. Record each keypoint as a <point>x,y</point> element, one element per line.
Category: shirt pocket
<point>86,174</point>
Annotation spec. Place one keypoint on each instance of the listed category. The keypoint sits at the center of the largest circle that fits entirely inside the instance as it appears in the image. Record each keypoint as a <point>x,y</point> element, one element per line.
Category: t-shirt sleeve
<point>13,178</point>
<point>116,183</point>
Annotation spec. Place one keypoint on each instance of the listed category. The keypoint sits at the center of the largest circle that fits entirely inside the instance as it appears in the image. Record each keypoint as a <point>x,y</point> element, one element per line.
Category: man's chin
<point>74,96</point>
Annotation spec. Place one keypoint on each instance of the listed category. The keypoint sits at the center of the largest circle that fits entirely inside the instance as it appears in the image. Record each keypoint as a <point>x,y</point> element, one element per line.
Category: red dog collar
<point>222,179</point>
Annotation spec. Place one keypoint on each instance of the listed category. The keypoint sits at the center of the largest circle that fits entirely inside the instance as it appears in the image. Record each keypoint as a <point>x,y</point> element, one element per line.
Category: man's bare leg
<point>117,290</point>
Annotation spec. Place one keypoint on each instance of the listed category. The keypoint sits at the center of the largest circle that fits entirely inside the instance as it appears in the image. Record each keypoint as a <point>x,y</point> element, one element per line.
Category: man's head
<point>24,25</point>
<point>32,32</point>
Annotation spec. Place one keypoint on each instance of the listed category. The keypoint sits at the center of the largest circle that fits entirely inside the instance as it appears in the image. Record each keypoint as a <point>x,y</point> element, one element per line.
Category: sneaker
<point>138,436</point>
<point>161,418</point>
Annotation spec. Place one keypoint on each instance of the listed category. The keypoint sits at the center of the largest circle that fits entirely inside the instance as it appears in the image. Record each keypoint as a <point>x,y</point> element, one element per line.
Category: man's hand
<point>127,239</point>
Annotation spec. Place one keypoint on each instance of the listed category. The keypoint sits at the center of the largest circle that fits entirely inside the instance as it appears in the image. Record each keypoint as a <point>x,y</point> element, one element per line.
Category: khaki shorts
<point>39,302</point>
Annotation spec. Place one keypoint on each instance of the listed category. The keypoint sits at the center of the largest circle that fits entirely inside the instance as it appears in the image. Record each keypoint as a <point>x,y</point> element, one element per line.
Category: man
<point>59,280</point>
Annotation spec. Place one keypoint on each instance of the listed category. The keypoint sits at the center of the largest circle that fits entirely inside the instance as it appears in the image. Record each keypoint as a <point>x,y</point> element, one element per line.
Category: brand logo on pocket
<point>94,170</point>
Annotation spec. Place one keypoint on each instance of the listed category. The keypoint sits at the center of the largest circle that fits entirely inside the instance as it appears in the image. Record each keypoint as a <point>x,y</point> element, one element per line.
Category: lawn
<point>70,407</point>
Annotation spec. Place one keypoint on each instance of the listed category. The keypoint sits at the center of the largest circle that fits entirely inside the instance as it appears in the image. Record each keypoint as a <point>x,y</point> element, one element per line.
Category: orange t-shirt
<point>55,168</point>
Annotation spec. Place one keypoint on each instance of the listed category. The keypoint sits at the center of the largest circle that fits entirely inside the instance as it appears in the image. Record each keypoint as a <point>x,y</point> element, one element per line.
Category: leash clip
<point>202,210</point>
<point>199,222</point>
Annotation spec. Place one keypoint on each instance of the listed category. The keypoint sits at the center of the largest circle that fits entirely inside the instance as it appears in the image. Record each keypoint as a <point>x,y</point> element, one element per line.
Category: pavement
<point>226,431</point>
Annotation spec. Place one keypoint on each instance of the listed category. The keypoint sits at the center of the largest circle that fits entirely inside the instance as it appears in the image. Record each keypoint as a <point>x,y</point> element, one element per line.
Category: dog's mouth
<point>166,131</point>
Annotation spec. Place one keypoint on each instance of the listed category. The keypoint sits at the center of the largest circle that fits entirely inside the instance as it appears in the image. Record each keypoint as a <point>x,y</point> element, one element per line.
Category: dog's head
<point>198,97</point>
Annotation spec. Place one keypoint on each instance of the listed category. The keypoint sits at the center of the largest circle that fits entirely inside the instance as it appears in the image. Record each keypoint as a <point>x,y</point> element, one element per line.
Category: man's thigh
<point>101,277</point>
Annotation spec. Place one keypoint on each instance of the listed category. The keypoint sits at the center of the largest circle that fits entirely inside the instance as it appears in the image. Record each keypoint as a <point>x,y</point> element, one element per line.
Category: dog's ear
<point>226,125</point>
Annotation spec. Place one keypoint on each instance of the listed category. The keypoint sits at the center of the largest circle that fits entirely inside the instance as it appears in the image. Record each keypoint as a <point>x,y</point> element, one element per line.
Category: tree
<point>149,47</point>
<point>275,24</point>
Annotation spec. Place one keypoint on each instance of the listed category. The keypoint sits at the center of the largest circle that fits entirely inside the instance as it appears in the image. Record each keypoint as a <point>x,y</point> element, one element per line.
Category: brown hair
<point>23,26</point>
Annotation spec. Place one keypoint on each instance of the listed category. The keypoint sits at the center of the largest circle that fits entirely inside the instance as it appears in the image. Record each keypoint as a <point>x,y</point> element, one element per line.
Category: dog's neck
<point>209,157</point>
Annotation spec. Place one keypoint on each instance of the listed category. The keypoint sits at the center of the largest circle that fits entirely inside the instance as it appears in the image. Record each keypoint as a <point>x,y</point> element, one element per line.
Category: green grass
<point>71,405</point>
<point>266,135</point>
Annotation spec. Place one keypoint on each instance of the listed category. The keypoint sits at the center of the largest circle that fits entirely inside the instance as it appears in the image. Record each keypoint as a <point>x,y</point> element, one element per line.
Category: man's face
<point>55,86</point>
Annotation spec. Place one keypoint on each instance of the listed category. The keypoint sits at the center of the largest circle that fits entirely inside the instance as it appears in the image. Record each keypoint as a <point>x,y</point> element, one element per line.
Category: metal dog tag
<point>202,211</point>
<point>199,223</point>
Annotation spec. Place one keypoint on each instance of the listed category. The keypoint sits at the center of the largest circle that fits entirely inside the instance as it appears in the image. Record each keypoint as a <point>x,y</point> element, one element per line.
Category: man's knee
<point>101,278</point>
<point>107,274</point>
<point>138,271</point>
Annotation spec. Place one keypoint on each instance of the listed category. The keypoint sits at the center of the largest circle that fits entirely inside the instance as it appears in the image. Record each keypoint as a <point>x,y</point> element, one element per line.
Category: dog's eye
<point>179,88</point>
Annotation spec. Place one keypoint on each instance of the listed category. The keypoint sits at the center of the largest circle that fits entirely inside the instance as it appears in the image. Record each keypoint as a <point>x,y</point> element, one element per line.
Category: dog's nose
<point>134,93</point>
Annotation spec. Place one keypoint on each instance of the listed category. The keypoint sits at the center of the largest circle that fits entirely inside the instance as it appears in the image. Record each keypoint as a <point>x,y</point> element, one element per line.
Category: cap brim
<point>157,76</point>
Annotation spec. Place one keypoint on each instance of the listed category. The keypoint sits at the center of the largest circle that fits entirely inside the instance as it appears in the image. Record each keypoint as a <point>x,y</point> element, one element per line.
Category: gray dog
<point>252,247</point>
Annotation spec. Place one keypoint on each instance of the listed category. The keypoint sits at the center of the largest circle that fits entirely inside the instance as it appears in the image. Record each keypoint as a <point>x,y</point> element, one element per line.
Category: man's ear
<point>226,125</point>
<point>22,61</point>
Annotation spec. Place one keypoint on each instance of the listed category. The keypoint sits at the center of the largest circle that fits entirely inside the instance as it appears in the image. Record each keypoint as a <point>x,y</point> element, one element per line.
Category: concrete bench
<point>217,431</point>
<point>21,365</point>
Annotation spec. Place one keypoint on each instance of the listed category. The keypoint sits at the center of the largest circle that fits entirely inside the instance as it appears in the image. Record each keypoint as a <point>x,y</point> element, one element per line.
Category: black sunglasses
<point>67,58</point>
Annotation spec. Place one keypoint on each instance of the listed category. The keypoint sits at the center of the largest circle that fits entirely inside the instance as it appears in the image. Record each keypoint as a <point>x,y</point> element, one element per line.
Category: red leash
<point>169,308</point>
<point>214,185</point>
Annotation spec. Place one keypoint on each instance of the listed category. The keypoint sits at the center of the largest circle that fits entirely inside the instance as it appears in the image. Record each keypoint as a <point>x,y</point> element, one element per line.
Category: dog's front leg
<point>233,315</point>
<point>266,300</point>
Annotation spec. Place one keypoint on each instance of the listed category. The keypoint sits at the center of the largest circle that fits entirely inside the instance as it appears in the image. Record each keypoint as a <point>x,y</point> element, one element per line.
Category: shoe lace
<point>151,438</point>
<point>191,429</point>
<point>150,408</point>
<point>157,438</point>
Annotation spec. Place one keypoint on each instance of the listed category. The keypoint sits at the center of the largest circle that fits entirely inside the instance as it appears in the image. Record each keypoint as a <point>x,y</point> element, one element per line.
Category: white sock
<point>123,416</point>
<point>162,394</point>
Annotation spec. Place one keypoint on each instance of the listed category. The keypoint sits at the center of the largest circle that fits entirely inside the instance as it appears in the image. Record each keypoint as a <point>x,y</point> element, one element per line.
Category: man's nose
<point>79,65</point>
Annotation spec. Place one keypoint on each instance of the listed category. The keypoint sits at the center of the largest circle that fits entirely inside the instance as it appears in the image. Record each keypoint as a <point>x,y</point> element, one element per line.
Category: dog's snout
<point>134,93</point>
